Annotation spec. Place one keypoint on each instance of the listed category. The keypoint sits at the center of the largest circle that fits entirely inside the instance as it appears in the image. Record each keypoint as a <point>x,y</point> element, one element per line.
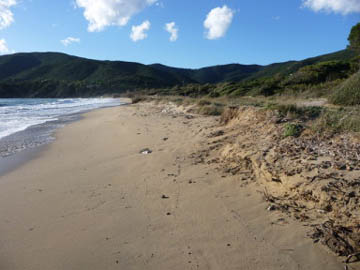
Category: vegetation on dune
<point>338,120</point>
<point>348,93</point>
<point>296,118</point>
<point>213,109</point>
<point>292,130</point>
<point>292,111</point>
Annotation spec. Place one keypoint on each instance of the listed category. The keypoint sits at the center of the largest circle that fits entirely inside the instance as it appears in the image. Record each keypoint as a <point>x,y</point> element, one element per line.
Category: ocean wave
<point>19,114</point>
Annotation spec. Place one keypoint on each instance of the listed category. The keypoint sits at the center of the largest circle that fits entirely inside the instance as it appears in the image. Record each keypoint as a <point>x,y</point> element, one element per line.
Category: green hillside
<point>214,74</point>
<point>237,72</point>
<point>60,75</point>
<point>56,66</point>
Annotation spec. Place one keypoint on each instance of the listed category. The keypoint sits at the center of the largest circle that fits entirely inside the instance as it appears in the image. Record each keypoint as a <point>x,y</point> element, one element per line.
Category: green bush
<point>338,121</point>
<point>213,110</point>
<point>320,72</point>
<point>204,102</point>
<point>293,130</point>
<point>348,93</point>
<point>293,111</point>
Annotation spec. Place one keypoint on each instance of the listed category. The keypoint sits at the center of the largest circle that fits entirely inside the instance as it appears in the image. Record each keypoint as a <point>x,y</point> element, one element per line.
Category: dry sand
<point>90,200</point>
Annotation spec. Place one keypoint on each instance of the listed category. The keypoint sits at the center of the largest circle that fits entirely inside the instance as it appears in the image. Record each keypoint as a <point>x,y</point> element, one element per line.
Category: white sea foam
<point>19,114</point>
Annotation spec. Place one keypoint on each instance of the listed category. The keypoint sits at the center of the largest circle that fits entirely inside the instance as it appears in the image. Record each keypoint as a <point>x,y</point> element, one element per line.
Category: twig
<point>357,255</point>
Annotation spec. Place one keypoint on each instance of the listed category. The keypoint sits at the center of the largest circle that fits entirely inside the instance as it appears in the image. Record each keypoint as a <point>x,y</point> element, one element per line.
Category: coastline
<point>12,162</point>
<point>27,144</point>
<point>90,200</point>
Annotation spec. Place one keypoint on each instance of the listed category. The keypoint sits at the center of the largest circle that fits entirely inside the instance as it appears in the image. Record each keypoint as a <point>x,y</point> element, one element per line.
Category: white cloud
<point>337,6</point>
<point>6,16</point>
<point>138,31</point>
<point>173,30</point>
<point>218,21</point>
<point>4,48</point>
<point>104,13</point>
<point>160,4</point>
<point>69,40</point>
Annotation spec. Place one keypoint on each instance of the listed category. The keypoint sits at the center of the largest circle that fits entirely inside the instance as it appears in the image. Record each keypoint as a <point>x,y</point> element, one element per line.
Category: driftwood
<point>351,256</point>
<point>338,239</point>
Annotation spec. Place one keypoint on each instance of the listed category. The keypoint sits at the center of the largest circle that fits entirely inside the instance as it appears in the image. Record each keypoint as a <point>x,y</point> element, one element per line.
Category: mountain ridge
<point>96,77</point>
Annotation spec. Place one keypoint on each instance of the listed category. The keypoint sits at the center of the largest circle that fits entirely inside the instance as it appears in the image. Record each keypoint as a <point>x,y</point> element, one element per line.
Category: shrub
<point>214,94</point>
<point>211,110</point>
<point>338,121</point>
<point>320,72</point>
<point>293,111</point>
<point>348,93</point>
<point>293,130</point>
<point>204,102</point>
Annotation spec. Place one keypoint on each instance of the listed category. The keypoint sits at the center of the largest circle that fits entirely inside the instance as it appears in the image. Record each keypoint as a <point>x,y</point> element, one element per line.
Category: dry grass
<point>318,118</point>
<point>229,114</point>
<point>348,93</point>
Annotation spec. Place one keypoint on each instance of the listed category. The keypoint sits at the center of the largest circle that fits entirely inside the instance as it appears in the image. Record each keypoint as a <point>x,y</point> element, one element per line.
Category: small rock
<point>277,180</point>
<point>328,208</point>
<point>340,166</point>
<point>164,197</point>
<point>145,151</point>
<point>217,133</point>
<point>271,208</point>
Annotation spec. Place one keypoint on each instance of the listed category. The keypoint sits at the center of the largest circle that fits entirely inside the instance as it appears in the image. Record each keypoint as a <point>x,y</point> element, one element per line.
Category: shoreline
<point>15,161</point>
<point>47,130</point>
<point>90,200</point>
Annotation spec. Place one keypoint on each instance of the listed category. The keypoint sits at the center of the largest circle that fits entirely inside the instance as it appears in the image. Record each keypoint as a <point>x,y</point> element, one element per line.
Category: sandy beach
<point>90,200</point>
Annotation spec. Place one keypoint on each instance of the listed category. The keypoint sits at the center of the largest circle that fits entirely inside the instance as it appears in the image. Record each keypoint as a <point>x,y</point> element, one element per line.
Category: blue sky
<point>204,33</point>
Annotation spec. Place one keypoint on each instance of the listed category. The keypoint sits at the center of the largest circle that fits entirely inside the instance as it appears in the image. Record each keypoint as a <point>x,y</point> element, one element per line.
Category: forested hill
<point>60,75</point>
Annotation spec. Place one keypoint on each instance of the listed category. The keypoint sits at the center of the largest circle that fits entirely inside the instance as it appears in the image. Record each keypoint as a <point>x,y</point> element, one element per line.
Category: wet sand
<point>90,200</point>
<point>10,163</point>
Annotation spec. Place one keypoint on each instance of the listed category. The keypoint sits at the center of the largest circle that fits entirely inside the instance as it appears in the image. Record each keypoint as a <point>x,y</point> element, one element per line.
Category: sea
<point>28,123</point>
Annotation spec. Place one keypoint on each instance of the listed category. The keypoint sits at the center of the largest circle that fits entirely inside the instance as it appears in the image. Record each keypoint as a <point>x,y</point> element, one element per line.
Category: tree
<point>354,38</point>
